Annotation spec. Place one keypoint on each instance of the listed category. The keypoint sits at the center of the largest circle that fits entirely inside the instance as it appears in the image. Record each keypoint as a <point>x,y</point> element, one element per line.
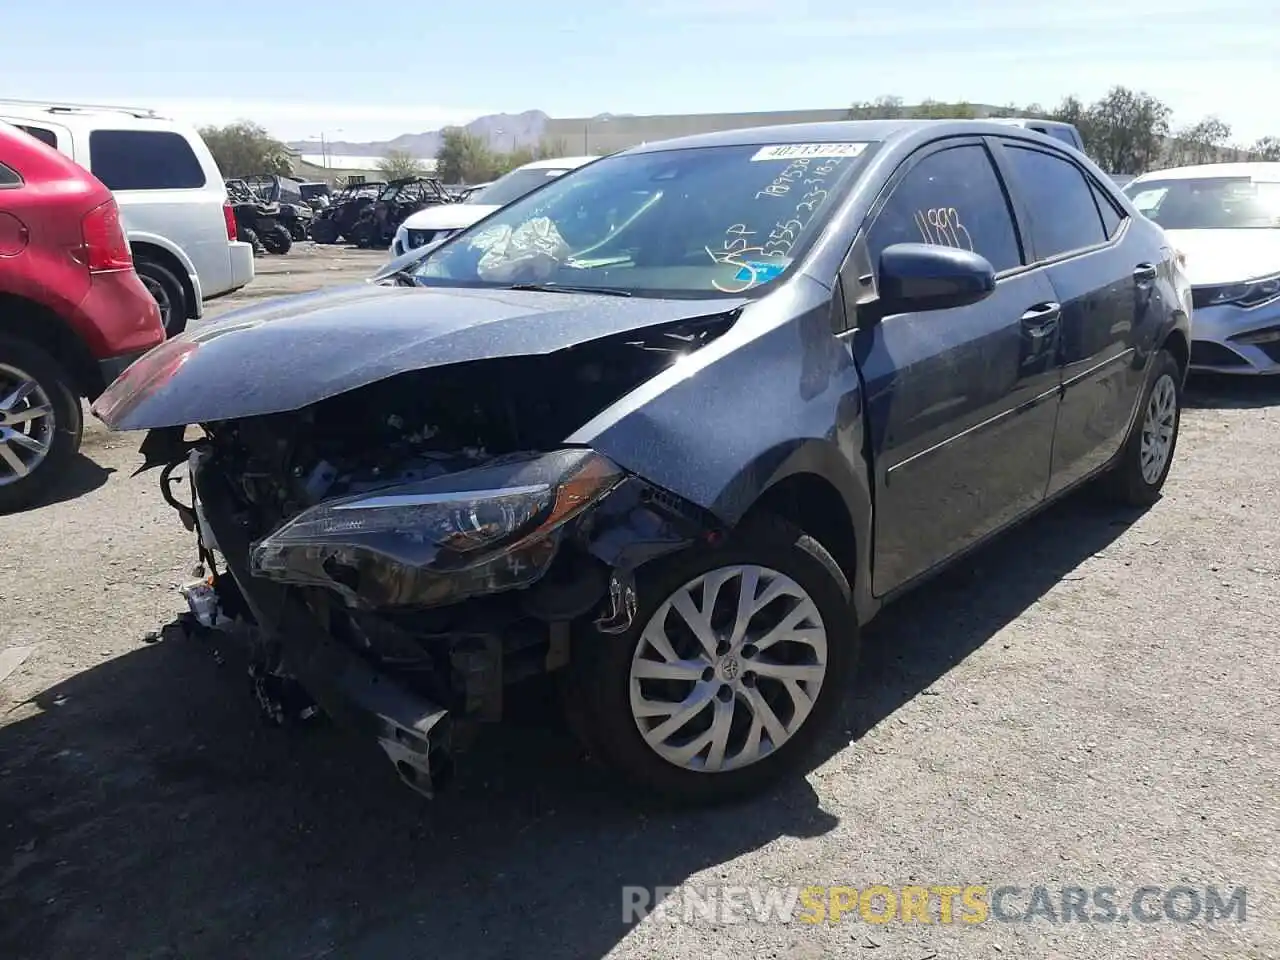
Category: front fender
<point>778,394</point>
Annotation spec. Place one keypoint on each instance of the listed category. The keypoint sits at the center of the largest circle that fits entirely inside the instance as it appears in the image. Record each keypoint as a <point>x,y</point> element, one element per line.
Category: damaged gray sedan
<point>668,428</point>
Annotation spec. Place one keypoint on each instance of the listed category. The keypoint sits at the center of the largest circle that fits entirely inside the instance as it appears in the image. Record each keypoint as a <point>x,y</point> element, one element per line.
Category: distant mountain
<point>503,131</point>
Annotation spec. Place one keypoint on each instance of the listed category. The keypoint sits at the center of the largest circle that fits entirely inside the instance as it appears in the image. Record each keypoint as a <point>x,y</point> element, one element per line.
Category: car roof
<point>855,131</point>
<point>555,163</point>
<point>1258,170</point>
<point>91,116</point>
<point>1028,121</point>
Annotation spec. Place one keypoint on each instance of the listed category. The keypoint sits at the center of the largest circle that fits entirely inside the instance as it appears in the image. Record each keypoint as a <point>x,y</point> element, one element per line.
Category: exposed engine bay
<point>406,551</point>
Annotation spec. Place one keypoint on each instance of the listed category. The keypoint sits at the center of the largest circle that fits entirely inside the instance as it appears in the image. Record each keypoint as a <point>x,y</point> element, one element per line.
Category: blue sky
<point>425,64</point>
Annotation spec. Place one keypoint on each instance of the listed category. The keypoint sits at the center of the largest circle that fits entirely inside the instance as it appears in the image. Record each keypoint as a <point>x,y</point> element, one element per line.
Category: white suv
<point>172,199</point>
<point>442,220</point>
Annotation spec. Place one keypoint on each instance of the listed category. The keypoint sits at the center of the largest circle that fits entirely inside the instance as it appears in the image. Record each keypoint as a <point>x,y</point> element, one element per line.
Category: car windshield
<point>515,185</point>
<point>1209,203</point>
<point>697,222</point>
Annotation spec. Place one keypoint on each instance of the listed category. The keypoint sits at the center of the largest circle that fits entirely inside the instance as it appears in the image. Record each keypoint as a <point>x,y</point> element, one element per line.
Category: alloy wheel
<point>26,424</point>
<point>728,668</point>
<point>1157,429</point>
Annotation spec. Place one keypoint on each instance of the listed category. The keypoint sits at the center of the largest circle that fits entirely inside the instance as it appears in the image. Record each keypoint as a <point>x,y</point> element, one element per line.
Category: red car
<point>73,313</point>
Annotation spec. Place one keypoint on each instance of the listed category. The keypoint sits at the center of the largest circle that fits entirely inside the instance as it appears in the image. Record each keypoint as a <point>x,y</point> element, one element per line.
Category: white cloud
<point>337,121</point>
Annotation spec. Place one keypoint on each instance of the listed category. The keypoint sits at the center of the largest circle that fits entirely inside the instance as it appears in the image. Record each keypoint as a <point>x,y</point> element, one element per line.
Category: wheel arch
<point>35,323</point>
<point>812,486</point>
<point>176,262</point>
<point>1176,343</point>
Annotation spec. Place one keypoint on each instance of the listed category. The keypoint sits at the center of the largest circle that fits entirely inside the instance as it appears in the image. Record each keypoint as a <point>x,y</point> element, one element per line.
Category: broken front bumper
<point>414,732</point>
<point>524,632</point>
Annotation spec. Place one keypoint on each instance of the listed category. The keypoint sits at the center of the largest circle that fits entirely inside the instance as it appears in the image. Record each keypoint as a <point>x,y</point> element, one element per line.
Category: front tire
<point>41,423</point>
<point>734,662</point>
<point>1139,474</point>
<point>276,239</point>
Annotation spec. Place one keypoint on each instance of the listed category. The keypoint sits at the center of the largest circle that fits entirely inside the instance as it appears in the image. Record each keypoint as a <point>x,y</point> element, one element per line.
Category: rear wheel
<point>1143,466</point>
<point>276,238</point>
<point>40,422</point>
<point>736,658</point>
<point>166,289</point>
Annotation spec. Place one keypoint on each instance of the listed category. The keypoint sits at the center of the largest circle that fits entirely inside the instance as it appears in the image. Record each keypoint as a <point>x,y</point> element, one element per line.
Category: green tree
<point>1202,142</point>
<point>938,110</point>
<point>550,149</point>
<point>464,157</point>
<point>399,165</point>
<point>244,148</point>
<point>1126,130</point>
<point>1268,148</point>
<point>506,162</point>
<point>882,108</point>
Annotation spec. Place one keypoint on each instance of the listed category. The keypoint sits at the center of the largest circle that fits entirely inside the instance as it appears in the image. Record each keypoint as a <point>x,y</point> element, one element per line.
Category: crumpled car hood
<point>287,354</point>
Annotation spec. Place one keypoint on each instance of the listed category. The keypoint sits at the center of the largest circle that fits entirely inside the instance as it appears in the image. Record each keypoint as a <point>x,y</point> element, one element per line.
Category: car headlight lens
<point>1248,294</point>
<point>490,528</point>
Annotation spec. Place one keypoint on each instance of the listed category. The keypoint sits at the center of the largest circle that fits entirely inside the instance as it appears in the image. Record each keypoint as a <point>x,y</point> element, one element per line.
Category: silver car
<point>1225,220</point>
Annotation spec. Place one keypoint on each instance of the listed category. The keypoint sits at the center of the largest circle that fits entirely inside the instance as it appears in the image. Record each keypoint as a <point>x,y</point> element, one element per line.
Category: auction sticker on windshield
<point>809,151</point>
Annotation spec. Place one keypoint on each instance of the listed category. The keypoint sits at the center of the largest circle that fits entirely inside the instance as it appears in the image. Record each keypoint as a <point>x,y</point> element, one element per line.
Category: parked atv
<point>317,194</point>
<point>335,223</point>
<point>295,213</point>
<point>398,200</point>
<point>257,221</point>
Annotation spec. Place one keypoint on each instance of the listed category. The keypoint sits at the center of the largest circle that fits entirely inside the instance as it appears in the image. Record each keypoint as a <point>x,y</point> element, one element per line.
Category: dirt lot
<point>1092,703</point>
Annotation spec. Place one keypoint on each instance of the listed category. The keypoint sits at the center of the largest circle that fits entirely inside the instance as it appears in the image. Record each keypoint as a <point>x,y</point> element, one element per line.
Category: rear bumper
<point>118,316</point>
<point>119,322</point>
<point>112,367</point>
<point>241,265</point>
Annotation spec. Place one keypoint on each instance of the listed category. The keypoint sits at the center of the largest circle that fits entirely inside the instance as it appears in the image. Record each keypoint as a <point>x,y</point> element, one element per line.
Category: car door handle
<point>1145,272</point>
<point>1041,319</point>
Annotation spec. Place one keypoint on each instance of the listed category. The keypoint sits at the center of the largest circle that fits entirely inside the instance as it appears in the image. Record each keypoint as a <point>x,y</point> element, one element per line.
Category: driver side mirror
<point>914,277</point>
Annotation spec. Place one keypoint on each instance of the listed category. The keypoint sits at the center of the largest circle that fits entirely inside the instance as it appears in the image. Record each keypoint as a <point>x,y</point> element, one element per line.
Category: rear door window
<point>1064,215</point>
<point>1112,217</point>
<point>43,134</point>
<point>1058,133</point>
<point>144,160</point>
<point>954,198</point>
<point>9,177</point>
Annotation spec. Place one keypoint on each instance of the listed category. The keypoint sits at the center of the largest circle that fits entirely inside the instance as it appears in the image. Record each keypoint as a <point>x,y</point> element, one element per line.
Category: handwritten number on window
<point>943,226</point>
<point>799,174</point>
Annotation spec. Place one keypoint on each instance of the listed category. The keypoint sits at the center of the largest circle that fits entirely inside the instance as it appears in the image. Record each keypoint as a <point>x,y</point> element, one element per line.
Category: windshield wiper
<point>565,288</point>
<point>404,277</point>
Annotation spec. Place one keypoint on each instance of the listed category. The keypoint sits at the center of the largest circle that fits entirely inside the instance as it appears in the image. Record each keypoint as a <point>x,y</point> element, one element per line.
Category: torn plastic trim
<point>638,524</point>
<point>414,732</point>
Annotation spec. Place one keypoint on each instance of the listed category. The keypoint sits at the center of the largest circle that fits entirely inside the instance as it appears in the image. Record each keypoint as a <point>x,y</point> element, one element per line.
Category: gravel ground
<point>1090,702</point>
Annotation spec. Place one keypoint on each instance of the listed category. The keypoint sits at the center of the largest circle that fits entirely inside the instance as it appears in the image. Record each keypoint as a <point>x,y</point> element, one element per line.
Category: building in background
<point>607,133</point>
<point>337,168</point>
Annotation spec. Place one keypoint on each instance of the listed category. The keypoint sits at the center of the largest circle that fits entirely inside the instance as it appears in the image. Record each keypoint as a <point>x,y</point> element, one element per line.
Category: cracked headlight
<point>491,528</point>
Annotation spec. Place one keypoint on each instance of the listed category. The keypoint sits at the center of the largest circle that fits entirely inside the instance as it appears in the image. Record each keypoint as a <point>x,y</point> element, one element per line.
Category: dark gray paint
<point>290,353</point>
<point>795,386</point>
